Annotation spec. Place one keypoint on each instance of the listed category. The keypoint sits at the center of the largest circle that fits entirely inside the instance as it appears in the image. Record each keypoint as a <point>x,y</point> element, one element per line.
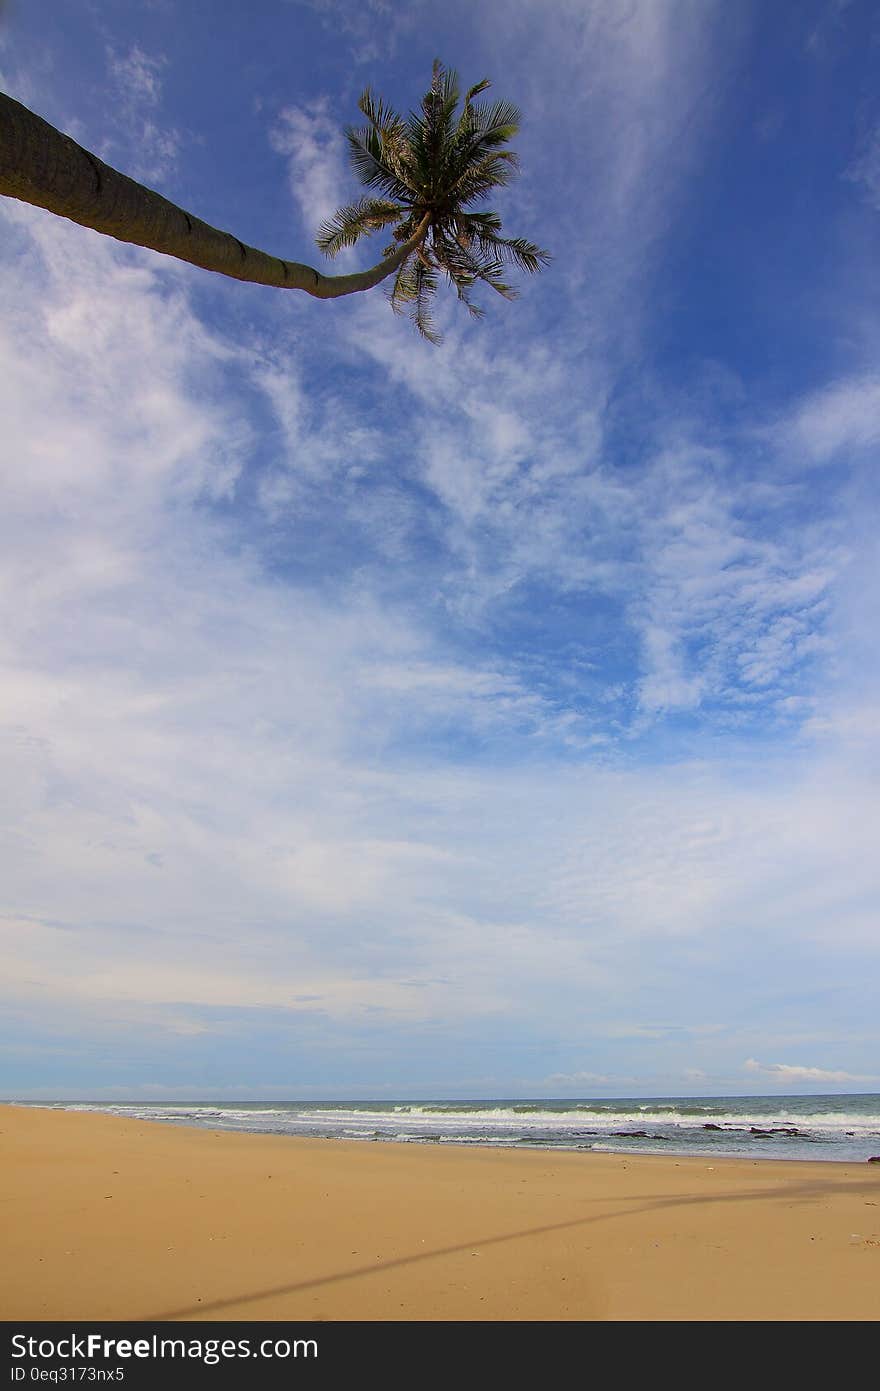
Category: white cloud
<point>137,74</point>
<point>865,169</point>
<point>580,1079</point>
<point>723,583</point>
<point>837,420</point>
<point>824,33</point>
<point>183,738</point>
<point>733,595</point>
<point>311,138</point>
<point>637,89</point>
<point>789,1072</point>
<point>373,28</point>
<point>149,146</point>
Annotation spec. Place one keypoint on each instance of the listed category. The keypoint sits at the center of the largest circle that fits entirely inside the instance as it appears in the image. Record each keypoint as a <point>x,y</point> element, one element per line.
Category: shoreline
<point>111,1218</point>
<point>819,1128</point>
<point>500,1147</point>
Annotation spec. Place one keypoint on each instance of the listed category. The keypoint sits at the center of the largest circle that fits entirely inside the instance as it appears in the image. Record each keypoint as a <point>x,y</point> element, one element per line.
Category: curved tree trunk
<point>39,165</point>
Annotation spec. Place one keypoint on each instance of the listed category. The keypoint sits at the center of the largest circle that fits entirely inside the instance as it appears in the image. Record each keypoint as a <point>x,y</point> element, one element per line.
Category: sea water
<point>754,1127</point>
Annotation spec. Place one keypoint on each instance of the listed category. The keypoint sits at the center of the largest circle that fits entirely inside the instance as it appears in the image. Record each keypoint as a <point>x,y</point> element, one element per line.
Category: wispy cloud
<point>865,169</point>
<point>569,1080</point>
<point>718,577</point>
<point>310,138</point>
<point>137,74</point>
<point>841,418</point>
<point>791,1072</point>
<point>636,87</point>
<point>154,144</point>
<point>372,29</point>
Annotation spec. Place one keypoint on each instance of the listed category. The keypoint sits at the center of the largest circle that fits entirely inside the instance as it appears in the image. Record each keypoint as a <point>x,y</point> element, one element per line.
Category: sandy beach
<point>119,1219</point>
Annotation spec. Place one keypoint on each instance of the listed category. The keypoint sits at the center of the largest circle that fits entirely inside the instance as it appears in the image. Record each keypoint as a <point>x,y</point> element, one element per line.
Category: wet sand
<point>119,1219</point>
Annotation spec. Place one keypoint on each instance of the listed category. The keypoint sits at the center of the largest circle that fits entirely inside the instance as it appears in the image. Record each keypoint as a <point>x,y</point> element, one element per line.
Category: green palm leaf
<point>348,225</point>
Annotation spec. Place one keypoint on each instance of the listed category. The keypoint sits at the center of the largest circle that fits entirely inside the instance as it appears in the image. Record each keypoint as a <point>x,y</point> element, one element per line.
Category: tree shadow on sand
<point>802,1192</point>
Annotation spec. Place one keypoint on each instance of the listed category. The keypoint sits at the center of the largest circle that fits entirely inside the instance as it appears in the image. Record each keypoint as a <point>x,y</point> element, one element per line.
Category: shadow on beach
<point>802,1193</point>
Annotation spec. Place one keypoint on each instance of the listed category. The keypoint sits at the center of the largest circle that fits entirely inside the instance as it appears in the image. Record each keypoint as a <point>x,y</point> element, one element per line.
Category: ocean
<point>843,1128</point>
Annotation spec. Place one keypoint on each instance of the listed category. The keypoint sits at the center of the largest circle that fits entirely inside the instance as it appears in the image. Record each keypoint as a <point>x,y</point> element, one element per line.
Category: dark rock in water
<point>753,1130</point>
<point>875,1159</point>
<point>849,1132</point>
<point>710,1125</point>
<point>632,1134</point>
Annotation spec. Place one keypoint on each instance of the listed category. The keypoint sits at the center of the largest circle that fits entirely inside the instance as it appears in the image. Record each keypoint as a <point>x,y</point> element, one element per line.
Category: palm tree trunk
<point>39,165</point>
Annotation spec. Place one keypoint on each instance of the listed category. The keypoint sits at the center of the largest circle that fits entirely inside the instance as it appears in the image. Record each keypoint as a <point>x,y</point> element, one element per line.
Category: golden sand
<point>105,1218</point>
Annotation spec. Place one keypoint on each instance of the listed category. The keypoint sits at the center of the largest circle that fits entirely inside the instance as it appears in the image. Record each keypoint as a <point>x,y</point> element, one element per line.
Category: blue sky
<point>492,719</point>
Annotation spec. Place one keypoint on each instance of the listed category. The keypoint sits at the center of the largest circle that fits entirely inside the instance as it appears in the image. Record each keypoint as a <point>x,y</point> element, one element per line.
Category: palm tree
<point>431,167</point>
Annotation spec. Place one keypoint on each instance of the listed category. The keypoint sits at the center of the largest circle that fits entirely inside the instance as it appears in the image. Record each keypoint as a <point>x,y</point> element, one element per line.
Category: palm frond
<point>402,290</point>
<point>515,251</point>
<point>425,289</point>
<point>377,163</point>
<point>524,254</point>
<point>414,287</point>
<point>381,116</point>
<point>465,267</point>
<point>349,224</point>
<point>486,171</point>
<point>497,117</point>
<point>462,289</point>
<point>469,95</point>
<point>444,87</point>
